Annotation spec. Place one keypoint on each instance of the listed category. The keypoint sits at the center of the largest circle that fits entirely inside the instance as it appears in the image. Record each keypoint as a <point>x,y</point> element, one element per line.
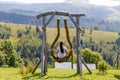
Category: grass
<point>52,32</point>
<point>58,74</point>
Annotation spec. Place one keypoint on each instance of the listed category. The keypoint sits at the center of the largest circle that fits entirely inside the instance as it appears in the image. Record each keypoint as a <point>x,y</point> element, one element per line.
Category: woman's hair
<point>61,47</point>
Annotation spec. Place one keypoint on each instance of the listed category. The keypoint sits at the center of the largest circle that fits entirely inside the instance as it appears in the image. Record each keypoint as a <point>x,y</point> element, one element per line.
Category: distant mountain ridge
<point>106,18</point>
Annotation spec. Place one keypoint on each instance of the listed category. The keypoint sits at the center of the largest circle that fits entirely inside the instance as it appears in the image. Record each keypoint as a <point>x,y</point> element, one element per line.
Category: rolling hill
<point>106,18</point>
<point>51,32</point>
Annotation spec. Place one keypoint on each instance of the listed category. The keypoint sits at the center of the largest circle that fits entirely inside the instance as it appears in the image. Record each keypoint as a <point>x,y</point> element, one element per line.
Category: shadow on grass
<point>38,76</point>
<point>35,76</point>
<point>63,76</point>
<point>87,73</point>
<point>117,76</point>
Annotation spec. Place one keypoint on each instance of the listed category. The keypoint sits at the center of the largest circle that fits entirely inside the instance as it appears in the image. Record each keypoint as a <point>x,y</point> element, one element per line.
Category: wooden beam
<point>86,66</point>
<point>79,57</point>
<point>58,13</point>
<point>50,19</point>
<point>43,48</point>
<point>76,25</point>
<point>36,66</point>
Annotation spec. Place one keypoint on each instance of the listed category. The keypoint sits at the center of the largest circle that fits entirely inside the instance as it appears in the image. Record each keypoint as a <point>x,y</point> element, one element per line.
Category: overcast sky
<point>96,2</point>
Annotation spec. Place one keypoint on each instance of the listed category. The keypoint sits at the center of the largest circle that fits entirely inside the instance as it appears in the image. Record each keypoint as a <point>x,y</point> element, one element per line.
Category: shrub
<point>103,66</point>
<point>23,70</point>
<point>90,56</point>
<point>30,66</point>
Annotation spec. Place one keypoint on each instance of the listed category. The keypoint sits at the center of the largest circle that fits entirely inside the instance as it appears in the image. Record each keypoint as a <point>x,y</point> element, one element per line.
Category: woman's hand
<point>71,49</point>
<point>52,49</point>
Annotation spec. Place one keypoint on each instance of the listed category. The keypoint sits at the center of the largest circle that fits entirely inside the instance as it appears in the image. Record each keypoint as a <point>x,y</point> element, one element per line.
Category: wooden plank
<point>58,13</point>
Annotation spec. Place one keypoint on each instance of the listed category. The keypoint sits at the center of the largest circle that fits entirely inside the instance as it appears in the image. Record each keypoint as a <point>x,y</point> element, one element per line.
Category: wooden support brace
<point>50,19</point>
<point>86,66</point>
<point>76,25</point>
<point>36,66</point>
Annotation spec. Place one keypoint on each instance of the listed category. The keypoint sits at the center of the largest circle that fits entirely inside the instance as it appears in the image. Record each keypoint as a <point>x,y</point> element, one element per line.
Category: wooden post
<point>43,47</point>
<point>79,58</point>
<point>72,61</point>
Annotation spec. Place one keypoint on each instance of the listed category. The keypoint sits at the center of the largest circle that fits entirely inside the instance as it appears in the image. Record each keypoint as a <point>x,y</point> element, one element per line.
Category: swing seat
<point>60,60</point>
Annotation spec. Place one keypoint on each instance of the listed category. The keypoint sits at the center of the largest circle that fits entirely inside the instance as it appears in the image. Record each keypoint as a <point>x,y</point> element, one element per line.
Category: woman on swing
<point>61,51</point>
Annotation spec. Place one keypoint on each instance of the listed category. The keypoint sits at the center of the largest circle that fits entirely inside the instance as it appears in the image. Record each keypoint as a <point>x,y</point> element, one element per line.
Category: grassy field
<point>58,74</point>
<point>52,32</point>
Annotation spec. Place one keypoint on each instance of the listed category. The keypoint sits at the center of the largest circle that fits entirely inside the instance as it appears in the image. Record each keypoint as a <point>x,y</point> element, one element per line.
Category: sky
<point>95,2</point>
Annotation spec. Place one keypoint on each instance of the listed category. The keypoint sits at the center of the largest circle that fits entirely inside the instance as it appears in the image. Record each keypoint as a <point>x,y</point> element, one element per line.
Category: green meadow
<point>58,74</point>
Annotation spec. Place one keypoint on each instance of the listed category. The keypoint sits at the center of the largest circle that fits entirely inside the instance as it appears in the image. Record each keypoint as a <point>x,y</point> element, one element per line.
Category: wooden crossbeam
<point>58,13</point>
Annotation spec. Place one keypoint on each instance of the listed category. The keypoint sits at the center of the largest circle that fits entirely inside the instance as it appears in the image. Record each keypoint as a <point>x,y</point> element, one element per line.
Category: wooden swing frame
<point>44,56</point>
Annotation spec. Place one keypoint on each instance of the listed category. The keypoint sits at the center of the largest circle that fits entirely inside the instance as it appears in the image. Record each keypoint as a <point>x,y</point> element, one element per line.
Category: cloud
<point>95,2</point>
<point>105,2</point>
<point>77,1</point>
<point>68,1</point>
<point>115,0</point>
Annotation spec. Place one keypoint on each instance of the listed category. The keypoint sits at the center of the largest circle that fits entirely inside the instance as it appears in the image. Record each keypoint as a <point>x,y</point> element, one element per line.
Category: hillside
<point>51,32</point>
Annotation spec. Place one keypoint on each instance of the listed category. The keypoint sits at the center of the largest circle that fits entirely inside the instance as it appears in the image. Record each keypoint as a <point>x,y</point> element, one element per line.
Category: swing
<point>60,60</point>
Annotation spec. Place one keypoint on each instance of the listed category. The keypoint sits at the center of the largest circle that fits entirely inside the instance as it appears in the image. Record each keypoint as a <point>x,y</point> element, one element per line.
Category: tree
<point>96,28</point>
<point>91,30</point>
<point>118,41</point>
<point>91,40</point>
<point>37,29</point>
<point>91,57</point>
<point>11,57</point>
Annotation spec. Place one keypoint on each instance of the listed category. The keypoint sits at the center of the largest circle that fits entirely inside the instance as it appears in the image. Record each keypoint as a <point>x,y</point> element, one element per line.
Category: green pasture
<point>58,74</point>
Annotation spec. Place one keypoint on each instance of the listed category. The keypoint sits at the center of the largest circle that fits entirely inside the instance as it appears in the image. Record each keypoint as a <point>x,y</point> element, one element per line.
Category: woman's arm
<point>55,51</point>
<point>68,51</point>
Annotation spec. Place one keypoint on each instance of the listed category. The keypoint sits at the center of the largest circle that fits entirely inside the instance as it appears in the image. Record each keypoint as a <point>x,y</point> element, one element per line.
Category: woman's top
<point>61,55</point>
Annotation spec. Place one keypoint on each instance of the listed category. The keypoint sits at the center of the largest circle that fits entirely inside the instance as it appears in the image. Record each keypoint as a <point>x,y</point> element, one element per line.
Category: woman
<point>61,51</point>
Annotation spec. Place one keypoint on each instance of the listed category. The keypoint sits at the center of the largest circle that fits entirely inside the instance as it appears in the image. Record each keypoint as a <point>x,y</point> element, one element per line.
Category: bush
<point>90,56</point>
<point>103,66</point>
<point>30,66</point>
<point>23,70</point>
